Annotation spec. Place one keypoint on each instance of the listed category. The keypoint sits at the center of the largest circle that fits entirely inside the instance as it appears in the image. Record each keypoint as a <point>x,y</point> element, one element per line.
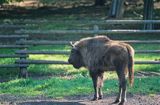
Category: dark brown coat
<point>100,54</point>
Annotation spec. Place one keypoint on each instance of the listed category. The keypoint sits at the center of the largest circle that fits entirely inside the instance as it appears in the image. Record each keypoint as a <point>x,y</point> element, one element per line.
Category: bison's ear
<point>71,43</point>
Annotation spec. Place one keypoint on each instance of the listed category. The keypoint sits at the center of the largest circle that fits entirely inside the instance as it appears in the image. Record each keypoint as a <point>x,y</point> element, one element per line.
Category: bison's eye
<point>72,51</point>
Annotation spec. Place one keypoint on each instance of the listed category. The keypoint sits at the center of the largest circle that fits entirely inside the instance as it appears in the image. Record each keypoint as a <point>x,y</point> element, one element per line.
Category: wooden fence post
<point>96,29</point>
<point>23,70</point>
<point>148,13</point>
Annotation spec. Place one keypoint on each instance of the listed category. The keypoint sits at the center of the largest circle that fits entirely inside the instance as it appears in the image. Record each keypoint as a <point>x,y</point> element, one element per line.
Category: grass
<point>61,87</point>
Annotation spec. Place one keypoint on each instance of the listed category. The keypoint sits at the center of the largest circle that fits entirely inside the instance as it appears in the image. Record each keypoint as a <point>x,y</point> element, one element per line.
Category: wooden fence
<point>22,44</point>
<point>12,46</point>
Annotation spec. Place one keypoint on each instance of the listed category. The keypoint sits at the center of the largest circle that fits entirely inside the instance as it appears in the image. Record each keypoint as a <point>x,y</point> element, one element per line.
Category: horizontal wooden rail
<point>12,26</point>
<point>45,42</point>
<point>14,46</point>
<point>12,56</point>
<point>87,31</point>
<point>41,52</point>
<point>64,62</point>
<point>40,62</point>
<point>142,41</point>
<point>147,62</point>
<point>12,65</point>
<point>68,52</point>
<point>13,36</point>
<point>131,21</point>
<point>98,22</point>
<point>147,51</point>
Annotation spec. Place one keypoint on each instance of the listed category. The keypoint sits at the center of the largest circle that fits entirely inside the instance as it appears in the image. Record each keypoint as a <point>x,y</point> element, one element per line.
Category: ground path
<point>153,99</point>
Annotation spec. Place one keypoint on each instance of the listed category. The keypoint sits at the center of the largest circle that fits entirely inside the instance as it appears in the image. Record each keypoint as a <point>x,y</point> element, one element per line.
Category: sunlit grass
<point>146,46</point>
<point>148,67</point>
<point>61,87</point>
<point>7,60</point>
<point>48,57</point>
<point>51,47</point>
<point>143,57</point>
<point>56,70</point>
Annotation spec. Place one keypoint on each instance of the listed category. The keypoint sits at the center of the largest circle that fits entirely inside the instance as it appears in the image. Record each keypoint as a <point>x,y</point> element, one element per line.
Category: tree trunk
<point>117,9</point>
<point>99,2</point>
<point>148,13</point>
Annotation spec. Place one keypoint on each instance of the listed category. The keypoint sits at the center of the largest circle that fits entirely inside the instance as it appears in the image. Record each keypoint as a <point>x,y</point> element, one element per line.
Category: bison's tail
<point>131,64</point>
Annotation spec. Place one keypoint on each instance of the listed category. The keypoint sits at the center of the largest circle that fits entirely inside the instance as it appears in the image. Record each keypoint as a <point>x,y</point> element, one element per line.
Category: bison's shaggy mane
<point>84,41</point>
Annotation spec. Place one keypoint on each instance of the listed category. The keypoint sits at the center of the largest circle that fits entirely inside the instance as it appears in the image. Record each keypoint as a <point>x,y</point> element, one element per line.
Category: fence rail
<point>14,46</point>
<point>68,52</point>
<point>23,42</point>
<point>42,52</point>
<point>45,42</point>
<point>88,31</point>
<point>13,65</point>
<point>65,62</point>
<point>147,51</point>
<point>12,26</point>
<point>12,56</point>
<point>90,22</point>
<point>7,45</point>
<point>40,62</point>
<point>13,36</point>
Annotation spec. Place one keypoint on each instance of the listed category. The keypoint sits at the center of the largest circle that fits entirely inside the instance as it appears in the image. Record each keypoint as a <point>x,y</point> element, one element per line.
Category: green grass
<point>60,87</point>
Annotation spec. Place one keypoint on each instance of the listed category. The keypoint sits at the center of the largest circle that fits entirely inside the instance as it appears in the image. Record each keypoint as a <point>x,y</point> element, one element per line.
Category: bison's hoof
<point>100,97</point>
<point>116,101</point>
<point>121,103</point>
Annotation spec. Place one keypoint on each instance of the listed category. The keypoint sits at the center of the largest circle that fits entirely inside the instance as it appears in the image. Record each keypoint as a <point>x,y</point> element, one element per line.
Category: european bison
<point>99,54</point>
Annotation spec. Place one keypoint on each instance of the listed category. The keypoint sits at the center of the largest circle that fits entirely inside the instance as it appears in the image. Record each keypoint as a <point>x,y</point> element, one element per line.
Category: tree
<point>117,9</point>
<point>99,2</point>
<point>148,13</point>
<point>2,1</point>
<point>8,1</point>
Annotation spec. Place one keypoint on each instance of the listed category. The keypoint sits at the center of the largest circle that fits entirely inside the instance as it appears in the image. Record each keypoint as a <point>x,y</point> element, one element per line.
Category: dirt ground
<point>79,100</point>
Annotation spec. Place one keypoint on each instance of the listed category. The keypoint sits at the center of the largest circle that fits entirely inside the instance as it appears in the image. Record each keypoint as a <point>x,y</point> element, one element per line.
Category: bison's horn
<point>71,43</point>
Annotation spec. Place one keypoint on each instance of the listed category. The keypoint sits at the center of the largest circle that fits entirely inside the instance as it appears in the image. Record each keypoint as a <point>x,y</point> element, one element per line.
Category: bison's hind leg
<point>121,98</point>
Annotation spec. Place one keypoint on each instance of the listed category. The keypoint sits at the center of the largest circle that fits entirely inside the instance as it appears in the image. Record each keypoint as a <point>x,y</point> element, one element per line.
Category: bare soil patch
<point>79,100</point>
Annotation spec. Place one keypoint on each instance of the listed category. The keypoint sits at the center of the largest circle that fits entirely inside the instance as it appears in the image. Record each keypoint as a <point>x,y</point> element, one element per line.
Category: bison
<point>99,54</point>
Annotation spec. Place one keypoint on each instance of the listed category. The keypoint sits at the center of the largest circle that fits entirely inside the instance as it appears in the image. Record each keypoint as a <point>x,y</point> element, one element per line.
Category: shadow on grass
<point>44,11</point>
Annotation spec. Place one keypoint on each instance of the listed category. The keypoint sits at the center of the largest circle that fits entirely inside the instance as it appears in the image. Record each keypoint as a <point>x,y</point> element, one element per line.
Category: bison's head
<point>75,58</point>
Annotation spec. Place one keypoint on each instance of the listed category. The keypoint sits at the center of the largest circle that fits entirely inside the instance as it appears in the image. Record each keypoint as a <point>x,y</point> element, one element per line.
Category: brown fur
<point>100,54</point>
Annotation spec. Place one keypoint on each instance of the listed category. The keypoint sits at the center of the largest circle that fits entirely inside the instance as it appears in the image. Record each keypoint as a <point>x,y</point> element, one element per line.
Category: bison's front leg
<point>100,85</point>
<point>94,77</point>
<point>97,79</point>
